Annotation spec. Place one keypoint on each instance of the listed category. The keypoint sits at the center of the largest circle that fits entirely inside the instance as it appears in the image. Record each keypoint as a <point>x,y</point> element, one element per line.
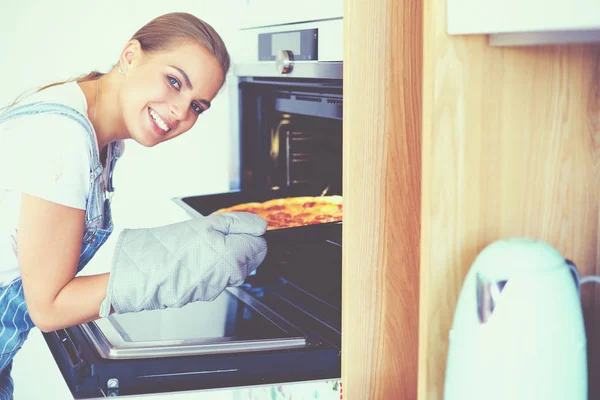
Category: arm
<point>49,240</point>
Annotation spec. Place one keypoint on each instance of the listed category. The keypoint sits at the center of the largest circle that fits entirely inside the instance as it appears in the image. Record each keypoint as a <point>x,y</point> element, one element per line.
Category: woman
<point>58,148</point>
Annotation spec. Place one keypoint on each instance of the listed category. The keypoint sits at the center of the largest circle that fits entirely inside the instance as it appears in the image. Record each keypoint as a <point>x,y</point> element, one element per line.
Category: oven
<point>283,324</point>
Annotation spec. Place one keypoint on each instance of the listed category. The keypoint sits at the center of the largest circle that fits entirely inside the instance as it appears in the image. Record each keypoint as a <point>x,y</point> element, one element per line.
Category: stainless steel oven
<point>284,323</point>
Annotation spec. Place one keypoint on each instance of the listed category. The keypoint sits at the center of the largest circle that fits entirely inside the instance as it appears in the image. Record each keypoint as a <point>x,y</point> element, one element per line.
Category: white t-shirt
<point>45,156</point>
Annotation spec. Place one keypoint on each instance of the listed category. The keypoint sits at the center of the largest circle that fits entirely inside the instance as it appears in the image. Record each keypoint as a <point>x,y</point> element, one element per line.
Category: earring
<point>121,70</point>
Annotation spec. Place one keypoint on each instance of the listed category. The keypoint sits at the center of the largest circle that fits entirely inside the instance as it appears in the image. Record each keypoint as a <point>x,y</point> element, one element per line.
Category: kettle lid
<point>503,258</point>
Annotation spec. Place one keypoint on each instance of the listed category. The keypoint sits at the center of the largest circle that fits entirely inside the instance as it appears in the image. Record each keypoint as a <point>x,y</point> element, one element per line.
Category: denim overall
<point>15,322</point>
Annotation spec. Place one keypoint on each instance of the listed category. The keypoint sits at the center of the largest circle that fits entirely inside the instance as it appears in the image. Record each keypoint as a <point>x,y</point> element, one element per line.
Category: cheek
<point>193,119</point>
<point>155,93</point>
<point>140,93</point>
<point>133,105</point>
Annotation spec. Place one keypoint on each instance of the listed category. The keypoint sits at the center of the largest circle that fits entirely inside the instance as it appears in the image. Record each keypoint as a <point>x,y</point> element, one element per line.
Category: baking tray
<point>207,204</point>
<point>286,258</point>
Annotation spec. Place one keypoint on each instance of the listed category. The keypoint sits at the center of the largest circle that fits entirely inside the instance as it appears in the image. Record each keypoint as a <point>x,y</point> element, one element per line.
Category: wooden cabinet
<point>503,16</point>
<point>450,144</point>
<point>382,198</point>
<point>526,22</point>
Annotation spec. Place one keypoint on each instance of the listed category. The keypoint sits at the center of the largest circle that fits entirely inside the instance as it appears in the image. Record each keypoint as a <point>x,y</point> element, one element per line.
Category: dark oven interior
<point>291,136</point>
<point>290,142</point>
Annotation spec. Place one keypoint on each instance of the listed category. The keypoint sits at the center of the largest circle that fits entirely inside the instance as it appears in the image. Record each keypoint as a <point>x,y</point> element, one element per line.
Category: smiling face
<point>164,92</point>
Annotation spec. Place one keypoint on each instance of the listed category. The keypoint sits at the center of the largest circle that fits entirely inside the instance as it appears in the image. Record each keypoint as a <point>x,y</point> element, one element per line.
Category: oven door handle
<point>72,352</point>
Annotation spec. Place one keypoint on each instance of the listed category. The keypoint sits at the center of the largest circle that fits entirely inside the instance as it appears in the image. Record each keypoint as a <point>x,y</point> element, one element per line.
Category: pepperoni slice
<point>309,204</point>
<point>275,208</point>
<point>280,216</point>
<point>303,215</point>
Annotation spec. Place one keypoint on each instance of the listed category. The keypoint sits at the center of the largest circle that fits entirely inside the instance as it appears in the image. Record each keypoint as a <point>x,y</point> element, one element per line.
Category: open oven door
<point>273,328</point>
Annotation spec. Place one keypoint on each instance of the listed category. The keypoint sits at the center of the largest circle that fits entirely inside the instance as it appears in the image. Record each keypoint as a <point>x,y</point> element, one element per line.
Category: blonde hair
<point>160,34</point>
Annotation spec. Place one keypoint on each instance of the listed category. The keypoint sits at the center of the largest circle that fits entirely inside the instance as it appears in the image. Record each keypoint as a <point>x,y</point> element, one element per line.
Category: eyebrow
<point>189,84</point>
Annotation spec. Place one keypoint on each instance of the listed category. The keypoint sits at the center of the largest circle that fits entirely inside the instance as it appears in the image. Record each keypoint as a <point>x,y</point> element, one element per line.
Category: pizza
<point>293,211</point>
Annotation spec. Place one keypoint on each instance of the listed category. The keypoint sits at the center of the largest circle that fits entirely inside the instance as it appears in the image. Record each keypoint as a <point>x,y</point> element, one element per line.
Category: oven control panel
<point>308,42</point>
<point>297,45</point>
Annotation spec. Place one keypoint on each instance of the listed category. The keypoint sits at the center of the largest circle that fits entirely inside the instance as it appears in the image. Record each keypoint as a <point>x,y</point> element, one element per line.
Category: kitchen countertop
<point>36,374</point>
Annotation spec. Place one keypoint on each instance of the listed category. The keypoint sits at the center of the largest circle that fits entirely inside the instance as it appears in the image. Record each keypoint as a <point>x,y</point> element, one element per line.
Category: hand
<point>176,264</point>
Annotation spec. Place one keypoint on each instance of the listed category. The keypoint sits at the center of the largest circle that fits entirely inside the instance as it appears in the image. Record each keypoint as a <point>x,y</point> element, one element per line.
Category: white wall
<point>42,42</point>
<point>270,12</point>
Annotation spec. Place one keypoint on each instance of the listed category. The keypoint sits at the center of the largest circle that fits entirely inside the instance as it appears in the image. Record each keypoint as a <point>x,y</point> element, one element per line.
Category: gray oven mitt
<point>188,261</point>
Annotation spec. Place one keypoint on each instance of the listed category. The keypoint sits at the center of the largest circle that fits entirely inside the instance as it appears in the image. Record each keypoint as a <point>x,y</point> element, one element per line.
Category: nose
<point>179,110</point>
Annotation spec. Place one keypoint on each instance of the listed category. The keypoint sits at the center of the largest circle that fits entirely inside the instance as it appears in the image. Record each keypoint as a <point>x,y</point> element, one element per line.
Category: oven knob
<point>284,61</point>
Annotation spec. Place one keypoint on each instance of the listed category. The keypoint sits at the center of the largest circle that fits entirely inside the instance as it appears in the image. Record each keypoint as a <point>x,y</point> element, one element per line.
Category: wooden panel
<point>511,142</point>
<point>382,118</point>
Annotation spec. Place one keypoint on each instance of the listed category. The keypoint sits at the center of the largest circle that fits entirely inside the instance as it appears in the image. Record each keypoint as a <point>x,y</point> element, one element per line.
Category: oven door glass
<point>234,322</point>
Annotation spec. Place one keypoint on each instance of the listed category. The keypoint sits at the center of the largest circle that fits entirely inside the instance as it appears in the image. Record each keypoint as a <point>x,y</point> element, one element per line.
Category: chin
<point>145,139</point>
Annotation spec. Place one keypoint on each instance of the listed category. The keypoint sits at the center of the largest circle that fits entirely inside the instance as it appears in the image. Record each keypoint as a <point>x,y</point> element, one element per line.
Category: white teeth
<point>159,121</point>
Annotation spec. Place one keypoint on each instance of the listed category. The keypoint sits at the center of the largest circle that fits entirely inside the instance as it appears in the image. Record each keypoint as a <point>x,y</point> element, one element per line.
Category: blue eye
<point>174,82</point>
<point>177,85</point>
<point>197,109</point>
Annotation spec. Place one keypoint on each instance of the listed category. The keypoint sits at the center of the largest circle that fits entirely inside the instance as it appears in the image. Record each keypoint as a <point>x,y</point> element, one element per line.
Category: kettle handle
<point>488,295</point>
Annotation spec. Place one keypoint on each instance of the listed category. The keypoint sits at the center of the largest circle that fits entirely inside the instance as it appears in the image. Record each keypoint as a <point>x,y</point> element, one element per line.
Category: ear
<point>130,53</point>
